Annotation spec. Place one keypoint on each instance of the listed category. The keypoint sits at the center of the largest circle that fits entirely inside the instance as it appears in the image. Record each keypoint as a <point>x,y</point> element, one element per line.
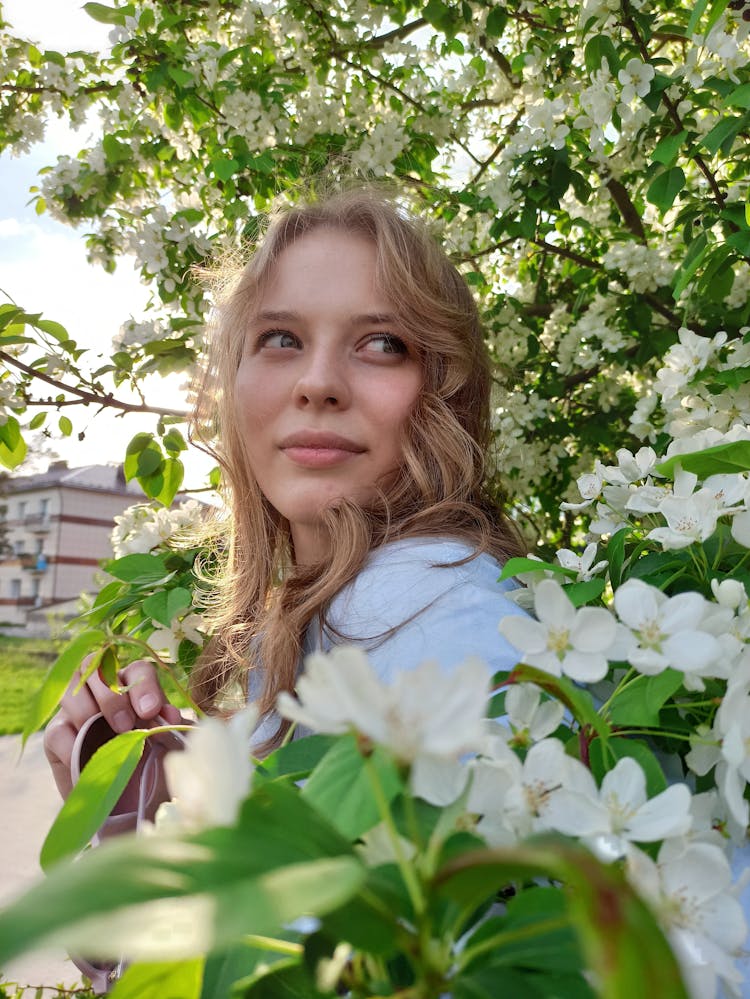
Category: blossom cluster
<point>508,795</point>
<point>144,526</point>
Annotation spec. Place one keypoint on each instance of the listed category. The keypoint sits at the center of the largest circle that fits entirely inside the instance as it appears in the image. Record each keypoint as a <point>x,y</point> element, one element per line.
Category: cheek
<point>395,407</point>
<point>253,403</point>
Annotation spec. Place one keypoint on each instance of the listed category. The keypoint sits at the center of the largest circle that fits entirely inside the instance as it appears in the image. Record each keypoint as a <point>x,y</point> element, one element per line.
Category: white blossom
<point>689,891</point>
<point>664,630</point>
<point>619,812</point>
<point>211,777</point>
<point>427,718</point>
<point>167,640</point>
<point>563,640</point>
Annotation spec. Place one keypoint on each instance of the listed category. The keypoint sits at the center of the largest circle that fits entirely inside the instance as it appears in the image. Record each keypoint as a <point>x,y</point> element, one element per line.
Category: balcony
<point>34,563</point>
<point>37,523</point>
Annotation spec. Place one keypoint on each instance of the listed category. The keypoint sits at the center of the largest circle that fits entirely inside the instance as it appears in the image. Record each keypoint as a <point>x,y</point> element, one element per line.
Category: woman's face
<point>325,385</point>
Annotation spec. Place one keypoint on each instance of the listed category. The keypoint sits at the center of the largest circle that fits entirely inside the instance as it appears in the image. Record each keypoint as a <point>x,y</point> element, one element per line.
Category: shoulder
<point>412,602</point>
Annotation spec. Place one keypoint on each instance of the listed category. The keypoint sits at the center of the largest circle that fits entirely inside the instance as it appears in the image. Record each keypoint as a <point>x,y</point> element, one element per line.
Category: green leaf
<point>725,131</point>
<point>174,442</point>
<point>599,49</point>
<point>698,250</point>
<point>665,188</point>
<point>138,568</point>
<point>298,758</point>
<point>621,942</point>
<point>615,554</point>
<point>12,444</point>
<point>666,149</point>
<point>8,313</point>
<point>639,704</point>
<point>54,329</point>
<point>37,421</point>
<point>497,19</point>
<point>695,16</point>
<point>518,566</point>
<point>65,425</point>
<point>340,786</point>
<point>280,861</point>
<point>224,168</point>
<point>585,591</point>
<point>149,461</point>
<point>109,15</point>
<point>59,675</point>
<point>166,604</point>
<point>181,76</point>
<point>740,97</point>
<point>543,948</point>
<point>173,475</point>
<point>724,459</point>
<point>167,980</point>
<point>98,790</point>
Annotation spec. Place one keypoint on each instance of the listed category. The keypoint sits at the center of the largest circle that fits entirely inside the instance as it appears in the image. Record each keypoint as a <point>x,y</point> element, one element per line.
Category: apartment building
<point>56,529</point>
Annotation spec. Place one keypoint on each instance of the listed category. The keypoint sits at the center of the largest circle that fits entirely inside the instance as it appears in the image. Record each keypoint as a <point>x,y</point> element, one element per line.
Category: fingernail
<point>147,703</point>
<point>122,722</point>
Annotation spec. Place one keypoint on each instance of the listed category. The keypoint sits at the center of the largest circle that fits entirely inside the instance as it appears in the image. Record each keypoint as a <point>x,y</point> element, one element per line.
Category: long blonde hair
<point>261,602</point>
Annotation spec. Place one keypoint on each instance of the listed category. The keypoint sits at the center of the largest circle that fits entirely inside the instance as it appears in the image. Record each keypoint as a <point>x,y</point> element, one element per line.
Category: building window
<point>39,546</point>
<point>44,506</point>
<point>15,589</point>
<point>22,508</point>
<point>19,547</point>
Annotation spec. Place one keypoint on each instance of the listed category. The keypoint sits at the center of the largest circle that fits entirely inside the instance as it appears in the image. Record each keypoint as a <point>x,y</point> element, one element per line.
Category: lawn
<point>23,663</point>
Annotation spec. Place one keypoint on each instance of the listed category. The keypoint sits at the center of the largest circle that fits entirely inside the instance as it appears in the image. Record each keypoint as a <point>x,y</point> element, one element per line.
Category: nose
<point>323,382</point>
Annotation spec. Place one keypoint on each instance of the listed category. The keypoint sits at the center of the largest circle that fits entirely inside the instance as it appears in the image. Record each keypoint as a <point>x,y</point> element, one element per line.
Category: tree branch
<point>87,398</point>
<point>498,148</point>
<point>627,209</point>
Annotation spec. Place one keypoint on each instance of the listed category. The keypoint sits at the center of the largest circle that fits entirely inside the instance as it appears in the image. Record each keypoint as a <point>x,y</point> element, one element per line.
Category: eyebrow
<point>363,319</point>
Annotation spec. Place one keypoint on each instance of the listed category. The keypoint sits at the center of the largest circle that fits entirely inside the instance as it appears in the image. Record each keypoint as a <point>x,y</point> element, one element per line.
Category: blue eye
<point>278,338</point>
<point>387,343</point>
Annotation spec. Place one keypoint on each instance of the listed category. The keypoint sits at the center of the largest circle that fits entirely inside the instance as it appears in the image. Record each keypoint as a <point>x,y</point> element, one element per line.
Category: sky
<point>43,265</point>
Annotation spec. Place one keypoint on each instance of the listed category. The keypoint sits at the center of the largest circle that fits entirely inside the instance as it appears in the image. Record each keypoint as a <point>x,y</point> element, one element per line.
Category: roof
<point>100,478</point>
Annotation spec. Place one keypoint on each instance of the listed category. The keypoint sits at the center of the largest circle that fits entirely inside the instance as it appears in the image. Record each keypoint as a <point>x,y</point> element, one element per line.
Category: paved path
<point>28,805</point>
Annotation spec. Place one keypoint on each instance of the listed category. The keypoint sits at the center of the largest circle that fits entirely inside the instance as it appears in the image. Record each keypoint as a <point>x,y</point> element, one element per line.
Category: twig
<point>88,398</point>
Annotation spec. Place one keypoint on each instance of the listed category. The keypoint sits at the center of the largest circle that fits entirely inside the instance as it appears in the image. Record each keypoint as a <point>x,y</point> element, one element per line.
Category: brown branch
<point>509,131</point>
<point>499,60</point>
<point>656,303</point>
<point>627,209</point>
<point>87,398</point>
<point>379,41</point>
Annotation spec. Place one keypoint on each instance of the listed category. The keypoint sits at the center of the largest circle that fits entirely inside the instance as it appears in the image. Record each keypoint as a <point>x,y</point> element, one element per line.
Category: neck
<point>311,543</point>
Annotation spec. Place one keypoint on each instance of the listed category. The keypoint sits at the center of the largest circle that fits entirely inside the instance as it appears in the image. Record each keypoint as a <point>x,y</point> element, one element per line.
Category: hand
<point>143,701</point>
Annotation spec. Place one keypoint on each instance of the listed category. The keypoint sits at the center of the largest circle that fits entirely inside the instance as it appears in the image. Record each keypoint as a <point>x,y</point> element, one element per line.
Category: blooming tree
<point>585,165</point>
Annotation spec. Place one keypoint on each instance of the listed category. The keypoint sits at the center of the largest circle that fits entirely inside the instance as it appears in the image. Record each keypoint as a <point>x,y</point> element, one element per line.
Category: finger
<point>59,738</point>
<point>78,706</point>
<point>171,714</point>
<point>146,696</point>
<point>115,707</point>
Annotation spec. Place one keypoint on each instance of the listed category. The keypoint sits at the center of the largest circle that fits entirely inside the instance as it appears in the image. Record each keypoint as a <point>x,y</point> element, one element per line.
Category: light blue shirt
<point>407,605</point>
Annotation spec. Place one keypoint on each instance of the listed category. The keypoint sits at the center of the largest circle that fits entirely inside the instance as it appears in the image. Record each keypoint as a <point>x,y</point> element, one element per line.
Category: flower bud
<point>729,592</point>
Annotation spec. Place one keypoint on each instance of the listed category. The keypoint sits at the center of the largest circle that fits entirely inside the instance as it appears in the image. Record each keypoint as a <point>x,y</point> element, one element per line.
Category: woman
<point>347,395</point>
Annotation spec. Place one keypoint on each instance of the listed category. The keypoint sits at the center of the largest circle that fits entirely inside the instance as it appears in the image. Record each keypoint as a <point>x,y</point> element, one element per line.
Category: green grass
<point>23,663</point>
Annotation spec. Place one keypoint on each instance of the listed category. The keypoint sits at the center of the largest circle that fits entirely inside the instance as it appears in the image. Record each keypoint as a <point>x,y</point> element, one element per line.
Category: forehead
<point>325,266</point>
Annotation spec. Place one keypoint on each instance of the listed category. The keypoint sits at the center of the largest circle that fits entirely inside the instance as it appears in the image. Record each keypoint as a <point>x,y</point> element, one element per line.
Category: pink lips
<point>316,449</point>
